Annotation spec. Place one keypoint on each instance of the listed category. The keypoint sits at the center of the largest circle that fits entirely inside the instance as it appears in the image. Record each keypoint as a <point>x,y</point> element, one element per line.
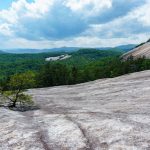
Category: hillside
<point>104,114</point>
<point>85,56</point>
<point>126,48</point>
<point>14,63</point>
<point>140,51</point>
<point>1,52</point>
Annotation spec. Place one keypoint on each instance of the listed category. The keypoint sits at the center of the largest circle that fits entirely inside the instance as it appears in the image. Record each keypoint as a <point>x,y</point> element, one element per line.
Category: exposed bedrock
<point>108,114</point>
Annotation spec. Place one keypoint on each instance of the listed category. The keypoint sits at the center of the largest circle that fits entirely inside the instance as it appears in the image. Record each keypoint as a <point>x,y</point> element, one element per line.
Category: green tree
<point>53,74</point>
<point>17,85</point>
<point>74,75</point>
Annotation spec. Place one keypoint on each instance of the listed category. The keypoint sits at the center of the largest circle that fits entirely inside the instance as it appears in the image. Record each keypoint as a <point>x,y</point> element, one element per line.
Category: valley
<point>17,63</point>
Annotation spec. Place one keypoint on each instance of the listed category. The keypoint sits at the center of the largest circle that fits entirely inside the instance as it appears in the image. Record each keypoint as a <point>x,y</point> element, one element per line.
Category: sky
<point>73,23</point>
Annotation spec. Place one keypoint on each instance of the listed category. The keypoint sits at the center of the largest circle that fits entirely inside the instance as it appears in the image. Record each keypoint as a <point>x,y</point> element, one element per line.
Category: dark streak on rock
<point>41,138</point>
<point>88,144</point>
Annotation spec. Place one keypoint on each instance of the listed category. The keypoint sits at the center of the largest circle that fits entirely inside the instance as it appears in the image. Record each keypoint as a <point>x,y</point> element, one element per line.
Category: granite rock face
<point>108,114</point>
<point>139,52</point>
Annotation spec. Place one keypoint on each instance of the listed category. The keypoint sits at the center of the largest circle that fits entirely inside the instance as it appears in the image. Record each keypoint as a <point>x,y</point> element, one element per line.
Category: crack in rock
<point>42,140</point>
<point>88,143</point>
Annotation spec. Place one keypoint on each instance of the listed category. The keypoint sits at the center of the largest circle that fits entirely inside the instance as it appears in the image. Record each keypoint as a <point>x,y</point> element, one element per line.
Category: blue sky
<point>83,23</point>
<point>4,4</point>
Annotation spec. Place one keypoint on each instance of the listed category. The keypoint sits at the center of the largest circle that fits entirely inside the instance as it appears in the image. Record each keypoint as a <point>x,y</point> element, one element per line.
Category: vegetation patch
<point>13,94</point>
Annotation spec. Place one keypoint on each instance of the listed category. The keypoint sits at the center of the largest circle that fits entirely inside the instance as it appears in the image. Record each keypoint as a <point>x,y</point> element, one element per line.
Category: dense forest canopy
<point>17,63</point>
<point>83,65</point>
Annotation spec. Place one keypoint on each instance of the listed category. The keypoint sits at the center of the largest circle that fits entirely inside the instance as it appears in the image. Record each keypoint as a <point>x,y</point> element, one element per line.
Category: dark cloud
<point>119,9</point>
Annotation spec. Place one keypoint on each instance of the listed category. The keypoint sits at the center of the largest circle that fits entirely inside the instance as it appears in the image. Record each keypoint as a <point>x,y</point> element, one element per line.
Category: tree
<point>16,87</point>
<point>74,74</point>
<point>53,75</point>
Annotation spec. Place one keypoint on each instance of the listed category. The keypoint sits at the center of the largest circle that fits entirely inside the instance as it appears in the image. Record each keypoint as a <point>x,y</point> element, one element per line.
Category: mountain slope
<point>126,48</point>
<point>1,52</point>
<point>104,114</point>
<point>14,63</point>
<point>139,51</point>
<point>85,56</point>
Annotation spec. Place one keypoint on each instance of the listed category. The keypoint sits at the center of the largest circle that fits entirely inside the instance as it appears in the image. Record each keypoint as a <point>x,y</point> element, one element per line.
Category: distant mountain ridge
<point>124,48</point>
<point>1,52</point>
<point>30,51</point>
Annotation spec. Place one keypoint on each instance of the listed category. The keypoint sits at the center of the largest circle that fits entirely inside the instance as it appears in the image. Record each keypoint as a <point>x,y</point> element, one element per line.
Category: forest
<point>18,63</point>
<point>84,65</point>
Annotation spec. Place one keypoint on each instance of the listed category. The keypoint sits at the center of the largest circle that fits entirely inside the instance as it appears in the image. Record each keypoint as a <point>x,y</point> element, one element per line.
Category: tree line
<point>61,74</point>
<point>54,74</point>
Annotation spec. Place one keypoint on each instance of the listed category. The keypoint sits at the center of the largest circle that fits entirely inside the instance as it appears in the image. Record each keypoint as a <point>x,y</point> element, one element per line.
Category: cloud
<point>42,19</point>
<point>58,22</point>
<point>89,7</point>
<point>134,23</point>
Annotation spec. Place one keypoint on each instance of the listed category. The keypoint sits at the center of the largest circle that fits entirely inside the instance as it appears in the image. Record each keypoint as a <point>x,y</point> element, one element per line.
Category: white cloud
<point>39,7</point>
<point>22,8</point>
<point>85,41</point>
<point>11,18</point>
<point>5,30</point>
<point>143,14</point>
<point>56,23</point>
<point>89,7</point>
<point>135,23</point>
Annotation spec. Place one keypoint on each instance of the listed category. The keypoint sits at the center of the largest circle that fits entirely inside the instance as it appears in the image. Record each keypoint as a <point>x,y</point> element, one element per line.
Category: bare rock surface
<point>108,114</point>
<point>141,51</point>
